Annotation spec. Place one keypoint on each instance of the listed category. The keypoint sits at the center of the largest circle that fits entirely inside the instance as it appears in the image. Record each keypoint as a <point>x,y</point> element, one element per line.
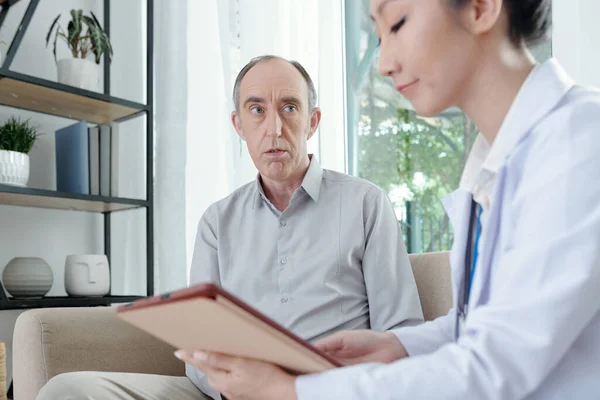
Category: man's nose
<point>273,124</point>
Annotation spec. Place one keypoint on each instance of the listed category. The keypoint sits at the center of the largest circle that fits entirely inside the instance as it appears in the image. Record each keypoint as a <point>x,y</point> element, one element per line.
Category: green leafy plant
<point>17,135</point>
<point>81,43</point>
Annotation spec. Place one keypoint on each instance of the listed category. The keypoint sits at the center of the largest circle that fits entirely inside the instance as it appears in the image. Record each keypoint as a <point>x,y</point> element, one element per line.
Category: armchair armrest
<point>48,342</point>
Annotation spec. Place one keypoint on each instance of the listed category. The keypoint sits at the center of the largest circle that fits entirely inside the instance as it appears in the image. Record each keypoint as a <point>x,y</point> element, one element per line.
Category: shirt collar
<point>313,178</point>
<point>527,109</point>
<point>311,183</point>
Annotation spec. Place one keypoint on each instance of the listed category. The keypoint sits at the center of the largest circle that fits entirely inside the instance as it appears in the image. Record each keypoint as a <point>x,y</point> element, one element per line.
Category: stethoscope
<point>471,253</point>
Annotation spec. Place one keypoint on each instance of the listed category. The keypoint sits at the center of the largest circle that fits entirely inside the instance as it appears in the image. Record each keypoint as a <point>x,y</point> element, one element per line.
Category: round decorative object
<point>14,168</point>
<point>87,275</point>
<point>27,277</point>
<point>78,72</point>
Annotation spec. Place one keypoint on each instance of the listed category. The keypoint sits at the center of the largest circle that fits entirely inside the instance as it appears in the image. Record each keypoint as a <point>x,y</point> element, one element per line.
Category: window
<point>416,160</point>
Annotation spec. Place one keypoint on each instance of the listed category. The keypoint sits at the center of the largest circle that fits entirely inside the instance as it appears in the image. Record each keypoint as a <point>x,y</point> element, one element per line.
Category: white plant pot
<point>79,72</point>
<point>27,277</point>
<point>14,168</point>
<point>87,275</point>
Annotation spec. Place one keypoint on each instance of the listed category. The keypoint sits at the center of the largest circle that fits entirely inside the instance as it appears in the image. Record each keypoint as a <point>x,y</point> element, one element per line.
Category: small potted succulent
<point>16,141</point>
<point>84,37</point>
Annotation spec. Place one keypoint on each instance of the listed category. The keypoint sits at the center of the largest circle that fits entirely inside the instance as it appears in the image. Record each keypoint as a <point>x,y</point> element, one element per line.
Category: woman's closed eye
<point>396,27</point>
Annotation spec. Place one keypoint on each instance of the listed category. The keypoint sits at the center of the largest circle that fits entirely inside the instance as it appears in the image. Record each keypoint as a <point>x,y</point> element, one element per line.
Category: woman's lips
<point>404,88</point>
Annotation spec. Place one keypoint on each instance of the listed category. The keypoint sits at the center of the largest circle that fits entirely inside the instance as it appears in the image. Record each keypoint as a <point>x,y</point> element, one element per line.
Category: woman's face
<point>426,51</point>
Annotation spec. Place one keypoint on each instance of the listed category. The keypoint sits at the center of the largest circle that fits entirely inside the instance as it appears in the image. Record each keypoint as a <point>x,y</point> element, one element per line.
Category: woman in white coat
<point>526,219</point>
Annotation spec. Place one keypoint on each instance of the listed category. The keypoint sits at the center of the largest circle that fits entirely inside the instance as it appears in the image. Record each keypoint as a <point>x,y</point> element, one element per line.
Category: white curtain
<point>200,47</point>
<point>194,157</point>
<point>171,122</point>
<point>211,164</point>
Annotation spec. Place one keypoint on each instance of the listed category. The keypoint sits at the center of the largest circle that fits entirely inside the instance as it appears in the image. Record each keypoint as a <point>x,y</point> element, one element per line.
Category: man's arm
<point>205,262</point>
<point>390,283</point>
<point>204,268</point>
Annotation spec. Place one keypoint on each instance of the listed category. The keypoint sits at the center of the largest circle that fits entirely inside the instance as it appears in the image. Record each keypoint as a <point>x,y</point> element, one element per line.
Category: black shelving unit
<point>30,93</point>
<point>65,301</point>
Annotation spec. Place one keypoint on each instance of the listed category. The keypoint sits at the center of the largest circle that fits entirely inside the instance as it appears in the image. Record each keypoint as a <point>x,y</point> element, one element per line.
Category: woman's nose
<point>388,59</point>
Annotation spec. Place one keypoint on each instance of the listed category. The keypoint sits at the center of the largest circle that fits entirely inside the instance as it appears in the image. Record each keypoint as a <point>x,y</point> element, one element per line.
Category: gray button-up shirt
<point>333,260</point>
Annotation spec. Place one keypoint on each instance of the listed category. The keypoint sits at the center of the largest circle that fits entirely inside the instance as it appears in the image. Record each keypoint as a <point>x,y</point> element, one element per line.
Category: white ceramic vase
<point>79,72</point>
<point>27,277</point>
<point>14,168</point>
<point>87,275</point>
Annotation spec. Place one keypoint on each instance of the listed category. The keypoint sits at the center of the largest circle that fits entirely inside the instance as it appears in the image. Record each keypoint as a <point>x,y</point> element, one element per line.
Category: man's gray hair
<point>312,92</point>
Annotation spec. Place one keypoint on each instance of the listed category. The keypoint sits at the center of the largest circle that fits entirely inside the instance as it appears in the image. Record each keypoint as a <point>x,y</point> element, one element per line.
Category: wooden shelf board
<point>30,93</point>
<point>38,198</point>
<point>64,301</point>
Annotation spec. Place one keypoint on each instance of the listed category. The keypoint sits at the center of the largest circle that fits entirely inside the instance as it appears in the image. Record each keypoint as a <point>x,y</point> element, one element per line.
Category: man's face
<point>274,119</point>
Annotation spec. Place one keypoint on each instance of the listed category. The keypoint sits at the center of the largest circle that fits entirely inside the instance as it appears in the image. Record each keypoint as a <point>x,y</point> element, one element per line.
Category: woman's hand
<point>242,379</point>
<point>362,346</point>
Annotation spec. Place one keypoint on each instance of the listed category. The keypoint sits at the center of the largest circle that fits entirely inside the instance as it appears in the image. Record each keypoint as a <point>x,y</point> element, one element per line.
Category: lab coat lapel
<point>458,207</point>
<point>524,115</point>
<point>529,108</point>
<point>480,287</point>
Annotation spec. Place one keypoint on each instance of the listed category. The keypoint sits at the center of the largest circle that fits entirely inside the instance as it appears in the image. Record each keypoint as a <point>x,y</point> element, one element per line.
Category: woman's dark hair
<point>529,20</point>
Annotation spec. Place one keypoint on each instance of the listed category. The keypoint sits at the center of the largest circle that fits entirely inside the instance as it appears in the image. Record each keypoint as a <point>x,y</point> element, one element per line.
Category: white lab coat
<point>533,331</point>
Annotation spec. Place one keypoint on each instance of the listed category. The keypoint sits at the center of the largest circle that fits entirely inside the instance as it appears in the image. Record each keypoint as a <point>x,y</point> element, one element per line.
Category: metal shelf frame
<point>72,201</point>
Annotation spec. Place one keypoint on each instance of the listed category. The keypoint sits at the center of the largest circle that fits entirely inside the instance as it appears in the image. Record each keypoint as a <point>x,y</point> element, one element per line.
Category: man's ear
<point>315,119</point>
<point>235,120</point>
<point>481,16</point>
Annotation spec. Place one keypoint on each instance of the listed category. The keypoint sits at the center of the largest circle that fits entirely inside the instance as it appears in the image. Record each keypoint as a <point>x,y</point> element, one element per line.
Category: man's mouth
<point>275,152</point>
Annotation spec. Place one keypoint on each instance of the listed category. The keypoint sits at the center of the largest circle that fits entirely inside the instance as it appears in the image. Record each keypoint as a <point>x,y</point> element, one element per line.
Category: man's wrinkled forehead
<point>274,79</point>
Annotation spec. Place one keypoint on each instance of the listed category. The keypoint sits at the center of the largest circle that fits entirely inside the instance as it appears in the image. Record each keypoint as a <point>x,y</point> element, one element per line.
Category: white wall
<point>128,81</point>
<point>53,234</point>
<point>332,96</point>
<point>576,38</point>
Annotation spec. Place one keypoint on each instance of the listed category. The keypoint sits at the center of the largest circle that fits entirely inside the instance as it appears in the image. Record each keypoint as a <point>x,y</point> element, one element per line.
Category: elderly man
<point>316,250</point>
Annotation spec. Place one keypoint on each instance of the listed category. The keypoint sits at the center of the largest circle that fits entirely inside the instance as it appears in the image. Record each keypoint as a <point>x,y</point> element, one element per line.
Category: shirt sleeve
<point>204,268</point>
<point>544,294</point>
<point>427,337</point>
<point>389,280</point>
<point>205,262</point>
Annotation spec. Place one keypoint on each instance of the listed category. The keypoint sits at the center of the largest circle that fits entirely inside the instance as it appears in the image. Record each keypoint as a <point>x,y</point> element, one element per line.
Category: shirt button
<point>283,222</point>
<point>283,261</point>
<point>284,300</point>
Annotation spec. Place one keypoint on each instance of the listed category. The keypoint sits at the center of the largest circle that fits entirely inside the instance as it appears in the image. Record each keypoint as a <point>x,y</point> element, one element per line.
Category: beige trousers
<point>119,386</point>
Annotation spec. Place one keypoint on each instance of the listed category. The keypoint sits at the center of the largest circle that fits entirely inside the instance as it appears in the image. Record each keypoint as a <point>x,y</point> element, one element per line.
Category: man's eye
<point>290,108</point>
<point>256,110</point>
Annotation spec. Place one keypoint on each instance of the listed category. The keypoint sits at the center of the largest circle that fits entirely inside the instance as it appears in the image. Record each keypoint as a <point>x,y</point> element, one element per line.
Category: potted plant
<point>16,141</point>
<point>80,71</point>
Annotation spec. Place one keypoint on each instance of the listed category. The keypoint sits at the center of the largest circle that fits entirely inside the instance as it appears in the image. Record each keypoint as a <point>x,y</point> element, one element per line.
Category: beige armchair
<point>48,342</point>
